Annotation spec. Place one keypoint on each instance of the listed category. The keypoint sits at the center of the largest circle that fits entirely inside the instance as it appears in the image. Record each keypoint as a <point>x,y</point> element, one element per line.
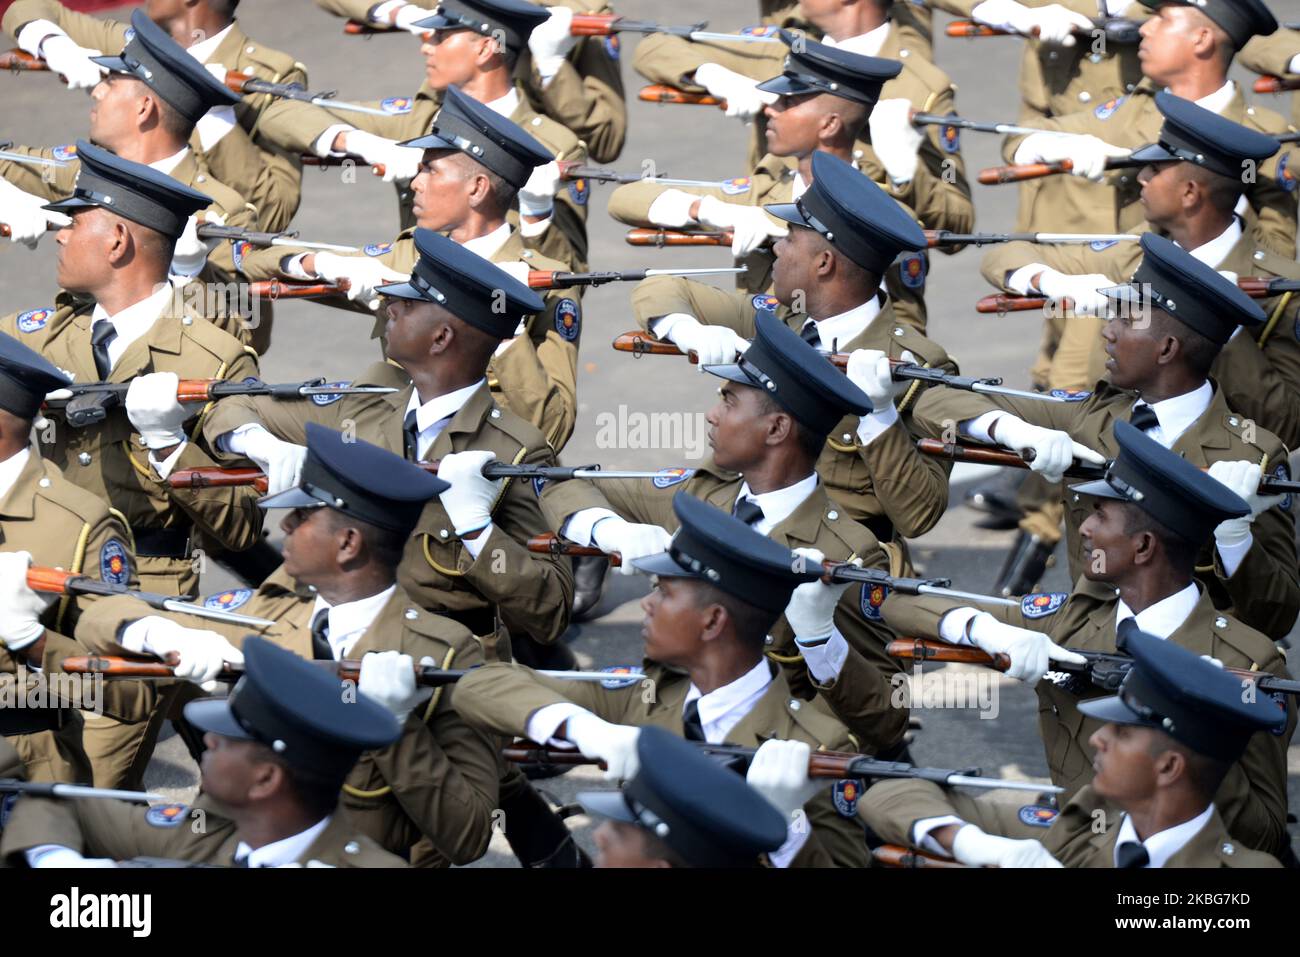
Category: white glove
<point>1057,24</point>
<point>869,370</point>
<point>550,42</point>
<point>66,857</point>
<point>779,772</point>
<point>72,62</point>
<point>744,98</point>
<point>1243,479</point>
<point>154,411</point>
<point>974,848</point>
<point>1080,290</point>
<point>281,461</point>
<point>1217,662</point>
<point>363,274</point>
<point>201,652</point>
<point>1029,651</point>
<point>389,678</point>
<point>750,226</point>
<point>399,162</point>
<point>630,541</point>
<point>191,253</point>
<point>894,138</point>
<point>20,607</point>
<point>811,611</point>
<point>615,744</point>
<point>537,196</point>
<point>712,345</point>
<point>22,213</point>
<point>470,499</point>
<point>409,15</point>
<point>1053,451</point>
<point>1086,152</point>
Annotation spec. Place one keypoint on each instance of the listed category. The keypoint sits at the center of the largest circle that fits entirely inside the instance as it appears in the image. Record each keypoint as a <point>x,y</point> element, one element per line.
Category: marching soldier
<point>232,144</point>
<point>278,751</point>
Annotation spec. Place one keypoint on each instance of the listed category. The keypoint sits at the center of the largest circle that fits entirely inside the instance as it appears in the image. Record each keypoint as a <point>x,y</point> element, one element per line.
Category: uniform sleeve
<point>296,126</point>
<point>661,58</point>
<point>540,390</point>
<point>631,202</point>
<point>663,295</point>
<point>47,182</point>
<point>919,616</point>
<point>912,488</point>
<point>939,193</point>
<point>1265,589</point>
<point>862,696</point>
<point>1271,54</point>
<point>94,828</point>
<point>635,500</point>
<point>1274,204</point>
<point>941,407</point>
<point>221,261</point>
<point>270,181</point>
<point>502,697</point>
<point>107,36</point>
<point>586,96</point>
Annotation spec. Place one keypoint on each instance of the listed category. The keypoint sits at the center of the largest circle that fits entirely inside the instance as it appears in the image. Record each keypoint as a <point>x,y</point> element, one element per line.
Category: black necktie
<point>748,511</point>
<point>1132,854</point>
<point>100,337</point>
<point>1144,418</point>
<point>691,726</point>
<point>810,335</point>
<point>411,436</point>
<point>320,636</point>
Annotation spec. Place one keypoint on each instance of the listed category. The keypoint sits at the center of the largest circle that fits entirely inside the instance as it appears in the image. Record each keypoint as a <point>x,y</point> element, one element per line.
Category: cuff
<point>383,12</point>
<point>214,125</point>
<point>292,267</point>
<point>29,37</point>
<point>164,468</point>
<point>1018,281</point>
<point>52,855</point>
<point>1294,65</point>
<point>1234,554</point>
<point>978,428</point>
<point>534,229</point>
<point>795,838</point>
<point>547,67</point>
<point>921,832</point>
<point>672,208</point>
<point>874,425</point>
<point>662,327</point>
<point>952,626</point>
<point>324,143</point>
<point>825,659</point>
<point>134,637</point>
<point>234,440</point>
<point>1029,149</point>
<point>545,721</point>
<point>476,544</point>
<point>580,525</point>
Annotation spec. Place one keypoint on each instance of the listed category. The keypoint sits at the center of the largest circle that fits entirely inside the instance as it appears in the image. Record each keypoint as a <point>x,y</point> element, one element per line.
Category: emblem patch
<point>127,37</point>
<point>667,478</point>
<point>616,683</point>
<point>1040,606</point>
<point>845,795</point>
<point>1107,109</point>
<point>377,249</point>
<point>228,600</point>
<point>1097,245</point>
<point>567,322</point>
<point>1071,395</point>
<point>765,303</point>
<point>580,190</point>
<point>1280,699</point>
<point>6,808</point>
<point>762,30</point>
<point>238,250</point>
<point>611,45</point>
<point>329,398</point>
<point>950,139</point>
<point>539,483</point>
<point>1280,471</point>
<point>114,565</point>
<point>1285,175</point>
<point>34,319</point>
<point>65,152</point>
<point>397,104</point>
<point>736,185</point>
<point>873,596</point>
<point>1037,815</point>
<point>912,269</point>
<point>166,815</point>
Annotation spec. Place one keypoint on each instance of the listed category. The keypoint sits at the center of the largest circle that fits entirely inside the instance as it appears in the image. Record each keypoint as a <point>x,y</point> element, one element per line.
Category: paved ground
<point>681,141</point>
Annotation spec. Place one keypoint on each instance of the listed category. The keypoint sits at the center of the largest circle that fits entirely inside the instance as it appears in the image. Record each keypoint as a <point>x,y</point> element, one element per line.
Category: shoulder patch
<point>568,323</point>
<point>616,683</point>
<point>127,37</point>
<point>6,808</point>
<point>762,30</point>
<point>329,398</point>
<point>845,796</point>
<point>1282,700</point>
<point>1071,395</point>
<point>228,600</point>
<point>114,563</point>
<point>873,596</point>
<point>397,104</point>
<point>1097,245</point>
<point>1282,471</point>
<point>377,249</point>
<point>166,815</point>
<point>1106,110</point>
<point>580,191</point>
<point>1037,815</point>
<point>667,478</point>
<point>238,250</point>
<point>737,185</point>
<point>1285,174</point>
<point>67,151</point>
<point>950,139</point>
<point>765,303</point>
<point>1040,606</point>
<point>912,270</point>
<point>539,483</point>
<point>611,46</point>
<point>34,319</point>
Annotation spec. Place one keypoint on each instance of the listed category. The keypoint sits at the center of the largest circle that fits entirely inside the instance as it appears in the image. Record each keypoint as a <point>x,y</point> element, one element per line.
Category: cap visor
<point>1111,710</point>
<point>732,372</point>
<point>430,141</point>
<point>1132,295</point>
<point>786,211</point>
<point>436,22</point>
<point>114,64</point>
<point>289,498</point>
<point>608,804</point>
<point>69,204</point>
<point>401,290</point>
<point>786,86</point>
<point>662,564</point>
<point>1098,488</point>
<point>1152,153</point>
<point>213,714</point>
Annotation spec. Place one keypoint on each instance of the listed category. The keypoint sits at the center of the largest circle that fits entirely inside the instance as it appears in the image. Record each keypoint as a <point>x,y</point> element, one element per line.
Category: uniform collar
<point>135,321</point>
<point>779,505</point>
<point>1164,617</point>
<point>837,331</point>
<point>349,620</point>
<point>1178,413</point>
<point>490,244</point>
<point>1165,844</point>
<point>203,50</point>
<point>505,105</point>
<point>864,44</point>
<point>168,164</point>
<point>723,708</point>
<point>1218,101</point>
<point>287,850</point>
<point>440,407</point>
<point>10,471</point>
<point>1217,249</point>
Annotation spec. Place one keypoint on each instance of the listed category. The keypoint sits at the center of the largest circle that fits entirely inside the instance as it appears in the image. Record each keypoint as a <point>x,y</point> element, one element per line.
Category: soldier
<point>278,750</point>
<point>824,98</point>
<point>775,409</point>
<point>826,282</point>
<point>573,80</point>
<point>1166,330</point>
<point>719,588</point>
<point>428,797</point>
<point>1171,735</point>
<point>1149,517</point>
<point>233,144</point>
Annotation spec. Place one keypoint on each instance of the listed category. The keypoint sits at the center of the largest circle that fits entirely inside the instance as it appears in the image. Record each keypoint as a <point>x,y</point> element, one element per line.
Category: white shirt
<point>505,105</point>
<point>169,163</point>
<point>798,187</point>
<point>432,417</point>
<point>487,245</point>
<point>1176,414</point>
<point>1164,617</point>
<point>349,620</point>
<point>779,505</point>
<point>134,321</point>
<point>723,708</point>
<point>287,850</point>
<point>835,331</point>
<point>1217,101</point>
<point>1217,249</point>
<point>11,468</point>
<point>205,48</point>
<point>864,44</point>
<point>1165,844</point>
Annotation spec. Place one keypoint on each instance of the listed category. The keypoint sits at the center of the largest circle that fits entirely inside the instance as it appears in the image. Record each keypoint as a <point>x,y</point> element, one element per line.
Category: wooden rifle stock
<point>641,343</point>
<point>1257,287</point>
<point>662,93</point>
<point>582,25</point>
<point>217,478</point>
<point>1268,84</point>
<point>894,855</point>
<point>998,175</point>
<point>925,649</point>
<point>971,29</point>
<point>642,236</point>
<point>307,159</point>
<point>20,61</point>
<point>1000,457</point>
<point>821,764</point>
<point>348,669</point>
<point>548,543</point>
<point>273,289</point>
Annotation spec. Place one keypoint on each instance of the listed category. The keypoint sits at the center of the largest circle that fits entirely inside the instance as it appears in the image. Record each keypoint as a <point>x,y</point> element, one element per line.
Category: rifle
<point>273,289</point>
<point>213,231</point>
<point>246,85</point>
<point>583,25</point>
<point>895,855</point>
<point>640,343</point>
<point>50,789</point>
<point>88,403</point>
<point>55,581</point>
<point>942,237</point>
<point>662,93</point>
<point>554,279</point>
<point>1018,173</point>
<point>821,765</point>
<point>28,160</point>
<point>569,169</point>
<point>20,61</point>
<point>1265,84</point>
<point>1257,287</point>
<point>548,543</point>
<point>642,236</point>
<point>1115,30</point>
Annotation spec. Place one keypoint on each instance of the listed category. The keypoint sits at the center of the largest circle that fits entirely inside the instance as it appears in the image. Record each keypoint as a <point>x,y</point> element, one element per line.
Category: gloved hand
<point>974,848</point>
<point>1053,450</point>
<point>811,611</point>
<point>712,345</point>
<point>66,857</point>
<point>154,411</point>
<point>779,772</point>
<point>408,15</point>
<point>869,370</point>
<point>744,98</point>
<point>630,541</point>
<point>1217,662</point>
<point>1086,152</point>
<point>281,461</point>
<point>1030,651</point>
<point>894,138</point>
<point>750,226</point>
<point>615,744</point>
<point>22,213</point>
<point>1007,14</point>
<point>550,42</point>
<point>20,607</point>
<point>363,273</point>
<point>1057,24</point>
<point>399,162</point>
<point>72,62</point>
<point>537,197</point>
<point>1242,478</point>
<point>389,678</point>
<point>470,499</point>
<point>1080,290</point>
<point>201,652</point>
<point>191,253</point>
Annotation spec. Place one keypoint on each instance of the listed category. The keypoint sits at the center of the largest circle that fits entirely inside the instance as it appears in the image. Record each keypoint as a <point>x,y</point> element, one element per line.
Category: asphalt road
<point>310,340</point>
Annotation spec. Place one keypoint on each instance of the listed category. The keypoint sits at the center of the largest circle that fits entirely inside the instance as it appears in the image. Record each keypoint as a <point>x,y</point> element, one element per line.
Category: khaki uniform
<point>438,782</point>
<point>1252,798</point>
<point>1068,203</point>
<point>121,831</point>
<point>912,16</point>
<point>267,176</point>
<point>860,696</point>
<point>1272,55</point>
<point>502,697</point>
<point>887,485</point>
<point>506,586</point>
<point>892,807</point>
